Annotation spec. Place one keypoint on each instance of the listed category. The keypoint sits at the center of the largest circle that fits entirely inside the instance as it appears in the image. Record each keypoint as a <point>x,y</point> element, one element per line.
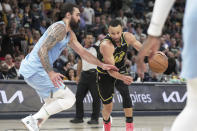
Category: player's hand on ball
<point>127,80</point>
<point>149,48</point>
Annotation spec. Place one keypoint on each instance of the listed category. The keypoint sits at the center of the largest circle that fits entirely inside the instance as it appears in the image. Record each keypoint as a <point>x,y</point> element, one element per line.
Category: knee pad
<point>66,103</point>
<point>67,98</point>
<point>62,99</point>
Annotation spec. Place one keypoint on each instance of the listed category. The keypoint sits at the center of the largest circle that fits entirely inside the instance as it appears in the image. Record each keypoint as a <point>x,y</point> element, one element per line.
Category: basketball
<point>158,63</point>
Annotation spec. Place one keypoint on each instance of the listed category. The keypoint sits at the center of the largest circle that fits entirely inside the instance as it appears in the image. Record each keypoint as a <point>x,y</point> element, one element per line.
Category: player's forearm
<point>116,75</point>
<point>76,46</point>
<point>138,45</point>
<point>160,13</point>
<point>91,58</point>
<point>44,59</point>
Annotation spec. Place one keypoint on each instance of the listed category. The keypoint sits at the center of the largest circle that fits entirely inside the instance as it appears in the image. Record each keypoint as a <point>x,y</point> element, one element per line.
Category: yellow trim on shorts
<point>100,92</point>
<point>100,71</point>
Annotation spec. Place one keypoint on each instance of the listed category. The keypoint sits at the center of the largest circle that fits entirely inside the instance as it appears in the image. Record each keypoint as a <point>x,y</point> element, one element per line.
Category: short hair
<point>115,23</point>
<point>67,8</point>
<point>8,55</point>
<point>18,59</point>
<point>88,33</point>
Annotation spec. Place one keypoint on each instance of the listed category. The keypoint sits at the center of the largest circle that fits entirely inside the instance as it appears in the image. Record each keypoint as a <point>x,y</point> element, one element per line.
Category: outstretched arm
<point>56,33</point>
<point>76,46</point>
<point>152,43</point>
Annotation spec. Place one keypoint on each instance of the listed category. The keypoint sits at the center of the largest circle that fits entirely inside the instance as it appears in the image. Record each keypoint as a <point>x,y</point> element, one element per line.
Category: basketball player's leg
<point>127,103</point>
<point>186,121</point>
<point>61,100</point>
<point>106,111</point>
<point>105,85</point>
<point>56,100</point>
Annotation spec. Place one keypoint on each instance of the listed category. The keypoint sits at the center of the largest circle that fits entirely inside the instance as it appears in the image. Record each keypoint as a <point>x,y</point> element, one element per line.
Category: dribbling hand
<point>150,46</point>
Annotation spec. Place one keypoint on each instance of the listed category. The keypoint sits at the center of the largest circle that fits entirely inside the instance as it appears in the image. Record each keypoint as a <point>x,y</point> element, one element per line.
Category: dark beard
<point>74,25</point>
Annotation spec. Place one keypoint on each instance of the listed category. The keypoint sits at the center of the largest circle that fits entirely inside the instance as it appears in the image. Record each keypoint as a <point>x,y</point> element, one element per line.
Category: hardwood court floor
<point>156,123</point>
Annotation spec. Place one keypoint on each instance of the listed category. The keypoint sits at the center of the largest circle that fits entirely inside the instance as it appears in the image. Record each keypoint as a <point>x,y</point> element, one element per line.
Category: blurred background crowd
<point>22,22</point>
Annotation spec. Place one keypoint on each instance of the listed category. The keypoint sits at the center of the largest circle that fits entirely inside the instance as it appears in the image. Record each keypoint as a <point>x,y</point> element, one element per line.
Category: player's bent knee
<point>67,103</point>
<point>72,100</point>
<point>59,105</point>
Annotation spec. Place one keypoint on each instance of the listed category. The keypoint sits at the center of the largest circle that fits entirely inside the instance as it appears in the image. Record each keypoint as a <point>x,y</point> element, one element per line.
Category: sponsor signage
<point>18,97</point>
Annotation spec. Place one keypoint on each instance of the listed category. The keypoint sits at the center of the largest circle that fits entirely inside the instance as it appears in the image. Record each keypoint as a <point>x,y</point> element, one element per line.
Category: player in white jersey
<point>186,121</point>
<point>37,67</point>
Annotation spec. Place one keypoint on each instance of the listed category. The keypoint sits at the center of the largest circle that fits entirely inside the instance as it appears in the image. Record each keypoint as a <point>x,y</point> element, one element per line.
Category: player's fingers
<point>125,82</point>
<point>55,84</point>
<point>58,82</point>
<point>62,75</point>
<point>130,80</point>
<point>60,79</point>
<point>128,83</point>
<point>115,68</point>
<point>105,67</point>
<point>151,54</point>
<point>141,70</point>
<point>110,67</point>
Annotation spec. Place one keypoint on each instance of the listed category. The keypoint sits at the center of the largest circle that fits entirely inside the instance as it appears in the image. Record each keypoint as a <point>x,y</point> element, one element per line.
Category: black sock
<point>106,121</point>
<point>129,119</point>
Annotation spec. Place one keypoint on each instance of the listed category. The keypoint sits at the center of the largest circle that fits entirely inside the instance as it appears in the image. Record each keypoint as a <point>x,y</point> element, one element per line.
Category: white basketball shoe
<point>30,123</point>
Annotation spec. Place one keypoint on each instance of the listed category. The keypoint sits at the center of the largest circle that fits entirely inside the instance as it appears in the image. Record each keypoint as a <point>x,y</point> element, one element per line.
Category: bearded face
<point>74,24</point>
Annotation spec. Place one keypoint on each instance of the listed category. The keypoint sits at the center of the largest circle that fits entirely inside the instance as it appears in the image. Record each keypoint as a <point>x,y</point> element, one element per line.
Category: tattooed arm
<point>56,33</point>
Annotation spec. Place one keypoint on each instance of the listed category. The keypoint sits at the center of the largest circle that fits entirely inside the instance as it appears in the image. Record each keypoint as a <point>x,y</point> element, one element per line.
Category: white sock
<point>62,100</point>
<point>41,116</point>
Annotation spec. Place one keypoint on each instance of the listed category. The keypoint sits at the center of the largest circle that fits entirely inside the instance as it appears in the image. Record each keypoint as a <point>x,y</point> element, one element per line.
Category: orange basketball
<point>158,63</point>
